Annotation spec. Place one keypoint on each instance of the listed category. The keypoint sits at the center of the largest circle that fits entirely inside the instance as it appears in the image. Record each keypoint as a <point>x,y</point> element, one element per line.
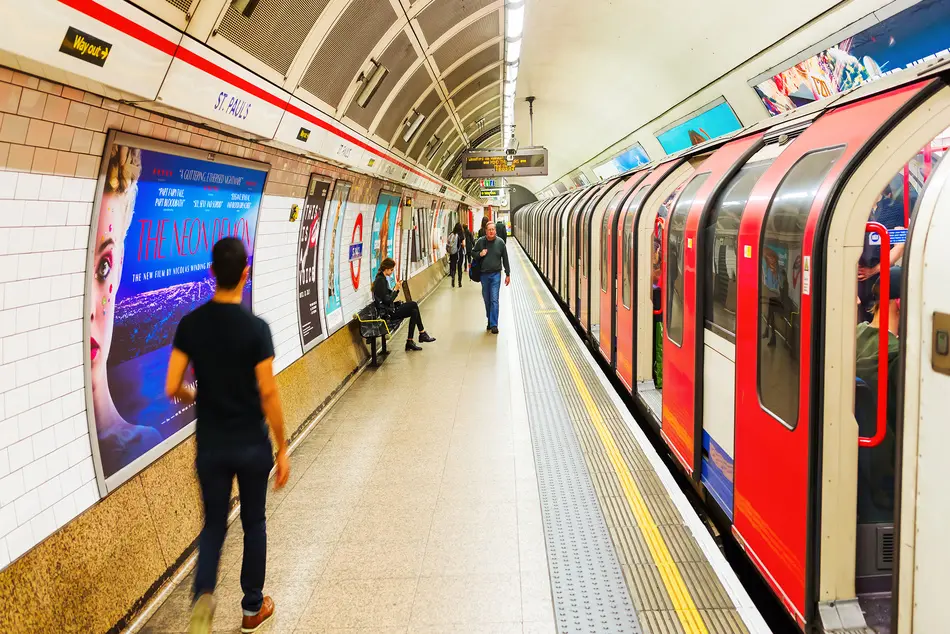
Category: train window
<point>722,248</point>
<point>780,290</point>
<point>676,231</point>
<point>604,245</point>
<point>628,242</point>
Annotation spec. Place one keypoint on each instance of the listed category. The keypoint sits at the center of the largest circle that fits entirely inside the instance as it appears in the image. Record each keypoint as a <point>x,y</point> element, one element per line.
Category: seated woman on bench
<point>384,294</point>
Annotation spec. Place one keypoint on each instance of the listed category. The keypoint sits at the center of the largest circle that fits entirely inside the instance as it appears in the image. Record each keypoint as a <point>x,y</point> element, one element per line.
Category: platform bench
<point>373,328</point>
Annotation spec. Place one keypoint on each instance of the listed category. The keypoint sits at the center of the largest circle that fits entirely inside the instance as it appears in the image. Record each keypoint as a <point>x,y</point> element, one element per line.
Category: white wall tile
<point>12,213</point>
<point>8,184</point>
<point>51,187</point>
<point>4,463</point>
<point>50,492</point>
<point>44,443</point>
<point>64,510</point>
<point>7,520</point>
<point>28,186</point>
<point>87,495</point>
<point>11,487</point>
<point>27,506</point>
<point>57,463</point>
<point>20,540</point>
<point>43,525</point>
<point>8,432</point>
<point>34,474</point>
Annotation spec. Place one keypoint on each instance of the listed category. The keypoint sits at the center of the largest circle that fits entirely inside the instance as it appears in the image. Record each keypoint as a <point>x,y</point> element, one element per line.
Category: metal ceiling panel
<point>472,67</point>
<point>182,5</point>
<point>425,108</point>
<point>478,100</point>
<point>340,57</point>
<point>469,38</point>
<point>482,81</point>
<point>274,32</point>
<point>398,58</point>
<point>407,96</point>
<point>428,132</point>
<point>448,146</point>
<point>472,117</point>
<point>442,15</point>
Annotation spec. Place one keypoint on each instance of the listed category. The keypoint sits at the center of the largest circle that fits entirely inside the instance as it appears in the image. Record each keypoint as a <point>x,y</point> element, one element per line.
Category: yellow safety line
<point>683,603</point>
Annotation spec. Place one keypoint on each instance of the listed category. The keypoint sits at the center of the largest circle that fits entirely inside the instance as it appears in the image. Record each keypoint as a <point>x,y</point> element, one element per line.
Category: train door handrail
<point>884,281</point>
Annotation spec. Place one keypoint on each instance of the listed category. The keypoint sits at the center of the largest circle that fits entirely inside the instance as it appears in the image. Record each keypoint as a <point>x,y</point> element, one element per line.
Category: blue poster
<point>913,36</point>
<point>384,230</point>
<point>713,122</point>
<point>635,156</point>
<point>158,218</point>
<point>332,255</point>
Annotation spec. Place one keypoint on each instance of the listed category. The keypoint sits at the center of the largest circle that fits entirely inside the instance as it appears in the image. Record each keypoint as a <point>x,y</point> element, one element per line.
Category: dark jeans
<point>410,310</point>
<point>456,266</point>
<point>217,467</point>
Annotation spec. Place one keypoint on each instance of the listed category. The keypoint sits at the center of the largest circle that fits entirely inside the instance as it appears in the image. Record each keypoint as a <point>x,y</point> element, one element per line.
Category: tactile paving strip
<point>650,597</point>
<point>587,582</point>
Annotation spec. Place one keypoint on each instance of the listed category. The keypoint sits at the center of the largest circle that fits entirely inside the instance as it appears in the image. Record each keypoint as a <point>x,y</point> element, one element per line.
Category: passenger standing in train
<point>455,245</point>
<point>888,211</point>
<point>878,470</point>
<point>232,354</point>
<point>493,255</point>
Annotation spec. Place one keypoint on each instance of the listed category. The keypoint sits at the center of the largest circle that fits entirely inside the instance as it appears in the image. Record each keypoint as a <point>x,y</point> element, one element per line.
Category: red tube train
<point>745,292</point>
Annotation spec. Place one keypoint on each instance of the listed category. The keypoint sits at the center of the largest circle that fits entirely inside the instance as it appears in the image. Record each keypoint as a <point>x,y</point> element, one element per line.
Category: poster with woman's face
<point>157,218</point>
<point>384,230</point>
<point>333,256</point>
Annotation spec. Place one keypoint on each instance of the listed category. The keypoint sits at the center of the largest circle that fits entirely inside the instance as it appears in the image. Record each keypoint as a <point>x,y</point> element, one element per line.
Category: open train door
<point>778,426</point>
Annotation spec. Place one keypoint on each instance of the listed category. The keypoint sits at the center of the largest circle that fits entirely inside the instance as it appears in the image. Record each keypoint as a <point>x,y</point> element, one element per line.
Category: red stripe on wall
<point>121,23</point>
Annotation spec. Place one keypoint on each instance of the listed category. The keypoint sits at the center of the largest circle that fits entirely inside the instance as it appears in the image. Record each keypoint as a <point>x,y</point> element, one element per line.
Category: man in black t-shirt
<point>232,353</point>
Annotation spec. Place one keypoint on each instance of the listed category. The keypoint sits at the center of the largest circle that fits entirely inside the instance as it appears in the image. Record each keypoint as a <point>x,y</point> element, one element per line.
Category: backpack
<point>475,268</point>
<point>453,244</point>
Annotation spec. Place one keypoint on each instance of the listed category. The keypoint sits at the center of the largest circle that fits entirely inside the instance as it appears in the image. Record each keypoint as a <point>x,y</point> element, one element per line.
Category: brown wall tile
<point>51,88</point>
<point>32,103</point>
<point>25,80</point>
<point>87,166</point>
<point>4,153</point>
<point>9,97</point>
<point>39,133</point>
<point>14,129</point>
<point>77,115</point>
<point>20,158</point>
<point>56,109</point>
<point>82,140</point>
<point>44,161</point>
<point>66,163</point>
<point>96,120</point>
<point>73,93</point>
<point>62,138</point>
<point>92,100</point>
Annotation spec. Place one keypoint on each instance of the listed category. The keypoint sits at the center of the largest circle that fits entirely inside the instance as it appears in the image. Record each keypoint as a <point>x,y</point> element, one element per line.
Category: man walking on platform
<point>492,254</point>
<point>232,354</point>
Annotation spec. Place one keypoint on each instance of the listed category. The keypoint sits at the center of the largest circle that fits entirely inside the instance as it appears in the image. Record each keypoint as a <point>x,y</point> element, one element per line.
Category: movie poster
<point>913,36</point>
<point>308,250</point>
<point>159,212</point>
<point>384,230</point>
<point>333,256</point>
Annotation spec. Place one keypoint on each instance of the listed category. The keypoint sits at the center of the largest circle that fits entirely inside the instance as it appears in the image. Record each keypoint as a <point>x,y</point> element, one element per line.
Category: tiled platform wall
<point>111,553</point>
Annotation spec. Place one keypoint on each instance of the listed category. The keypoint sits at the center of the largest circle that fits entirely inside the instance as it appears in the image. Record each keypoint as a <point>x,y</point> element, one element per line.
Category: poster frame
<point>306,347</point>
<point>109,485</point>
<point>325,298</point>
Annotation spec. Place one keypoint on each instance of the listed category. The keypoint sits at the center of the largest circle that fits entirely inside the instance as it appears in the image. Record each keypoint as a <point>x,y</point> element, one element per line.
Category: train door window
<point>628,242</point>
<point>780,284</point>
<point>604,245</point>
<point>675,252</point>
<point>722,248</point>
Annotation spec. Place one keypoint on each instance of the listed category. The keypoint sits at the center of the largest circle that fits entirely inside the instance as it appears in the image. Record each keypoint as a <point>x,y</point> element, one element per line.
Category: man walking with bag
<point>492,254</point>
<point>232,354</point>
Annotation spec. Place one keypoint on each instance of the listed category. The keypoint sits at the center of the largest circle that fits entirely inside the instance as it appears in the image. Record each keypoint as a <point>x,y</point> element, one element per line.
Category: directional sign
<point>490,163</point>
<point>490,193</point>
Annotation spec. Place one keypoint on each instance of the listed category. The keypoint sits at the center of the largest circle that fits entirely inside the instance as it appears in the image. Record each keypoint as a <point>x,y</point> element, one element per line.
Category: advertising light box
<point>709,122</point>
<point>159,210</point>
<point>913,36</point>
<point>490,163</point>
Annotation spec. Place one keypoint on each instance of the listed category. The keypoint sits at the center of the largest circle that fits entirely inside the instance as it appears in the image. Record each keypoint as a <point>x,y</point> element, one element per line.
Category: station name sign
<point>491,163</point>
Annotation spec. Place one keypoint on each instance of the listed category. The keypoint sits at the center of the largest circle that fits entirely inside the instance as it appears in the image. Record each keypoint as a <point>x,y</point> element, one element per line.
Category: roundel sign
<point>356,252</point>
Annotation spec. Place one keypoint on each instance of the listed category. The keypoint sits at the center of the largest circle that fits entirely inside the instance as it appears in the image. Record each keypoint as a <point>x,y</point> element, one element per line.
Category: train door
<point>611,251</point>
<point>582,278</point>
<point>567,204</point>
<point>667,181</point>
<point>575,250</point>
<point>590,295</point>
<point>682,343</point>
<point>780,314</point>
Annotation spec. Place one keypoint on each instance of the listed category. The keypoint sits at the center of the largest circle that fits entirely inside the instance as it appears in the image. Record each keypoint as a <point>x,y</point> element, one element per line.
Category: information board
<point>489,163</point>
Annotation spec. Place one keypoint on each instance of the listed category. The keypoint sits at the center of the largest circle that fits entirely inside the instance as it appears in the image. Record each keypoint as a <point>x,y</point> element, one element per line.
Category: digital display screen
<point>529,162</point>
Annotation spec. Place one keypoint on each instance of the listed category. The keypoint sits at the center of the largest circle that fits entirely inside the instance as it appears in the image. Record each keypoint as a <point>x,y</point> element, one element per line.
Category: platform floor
<point>488,484</point>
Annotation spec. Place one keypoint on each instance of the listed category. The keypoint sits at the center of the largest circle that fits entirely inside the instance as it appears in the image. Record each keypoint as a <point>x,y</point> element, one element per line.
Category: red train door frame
<point>609,300</point>
<point>576,217</point>
<point>587,293</point>
<point>780,533</point>
<point>682,422</point>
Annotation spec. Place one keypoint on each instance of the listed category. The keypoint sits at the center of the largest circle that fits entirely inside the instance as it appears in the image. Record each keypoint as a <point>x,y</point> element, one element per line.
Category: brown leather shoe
<point>254,623</point>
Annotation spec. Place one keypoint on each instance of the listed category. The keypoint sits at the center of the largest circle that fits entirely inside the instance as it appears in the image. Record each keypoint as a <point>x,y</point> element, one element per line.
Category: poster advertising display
<point>334,256</point>
<point>913,36</point>
<point>159,210</point>
<point>308,252</point>
<point>383,238</point>
<point>356,252</point>
<point>711,121</point>
<point>632,157</point>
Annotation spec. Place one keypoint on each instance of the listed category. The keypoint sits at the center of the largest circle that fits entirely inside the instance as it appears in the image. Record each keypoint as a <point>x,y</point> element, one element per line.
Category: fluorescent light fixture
<point>513,51</point>
<point>371,83</point>
<point>510,90</point>
<point>514,22</point>
<point>414,126</point>
<point>511,72</point>
<point>244,7</point>
<point>434,144</point>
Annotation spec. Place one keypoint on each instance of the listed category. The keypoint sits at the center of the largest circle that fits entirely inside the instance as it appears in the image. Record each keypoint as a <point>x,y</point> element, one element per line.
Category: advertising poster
<point>714,120</point>
<point>308,250</point>
<point>384,230</point>
<point>910,37</point>
<point>334,256</point>
<point>158,214</point>
<point>356,252</point>
<point>632,157</point>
